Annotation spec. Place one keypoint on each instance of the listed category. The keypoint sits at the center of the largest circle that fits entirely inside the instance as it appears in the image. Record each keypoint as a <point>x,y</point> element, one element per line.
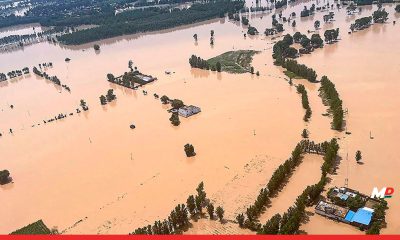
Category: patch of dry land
<point>89,173</point>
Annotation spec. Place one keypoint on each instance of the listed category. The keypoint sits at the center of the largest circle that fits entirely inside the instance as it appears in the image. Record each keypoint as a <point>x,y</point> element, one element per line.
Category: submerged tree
<point>4,177</point>
<point>195,37</point>
<point>220,213</point>
<point>175,119</point>
<point>176,103</point>
<point>110,77</point>
<point>84,105</point>
<point>358,156</point>
<point>210,210</point>
<point>317,23</point>
<point>304,134</point>
<point>96,47</point>
<point>164,99</point>
<point>380,16</point>
<point>103,100</point>
<point>240,219</point>
<point>110,95</point>
<point>189,150</point>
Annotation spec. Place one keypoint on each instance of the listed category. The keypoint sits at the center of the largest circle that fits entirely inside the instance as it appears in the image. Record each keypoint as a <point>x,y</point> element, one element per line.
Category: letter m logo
<point>378,194</point>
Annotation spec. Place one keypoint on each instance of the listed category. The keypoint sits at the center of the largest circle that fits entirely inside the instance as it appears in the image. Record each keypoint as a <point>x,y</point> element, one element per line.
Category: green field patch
<point>234,61</point>
<point>34,228</point>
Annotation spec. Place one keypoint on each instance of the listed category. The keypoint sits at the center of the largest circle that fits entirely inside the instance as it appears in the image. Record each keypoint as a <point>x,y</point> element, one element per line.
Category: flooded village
<point>108,139</point>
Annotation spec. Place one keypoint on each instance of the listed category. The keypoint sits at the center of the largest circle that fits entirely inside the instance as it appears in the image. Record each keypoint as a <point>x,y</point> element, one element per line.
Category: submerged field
<point>91,173</point>
<point>234,61</point>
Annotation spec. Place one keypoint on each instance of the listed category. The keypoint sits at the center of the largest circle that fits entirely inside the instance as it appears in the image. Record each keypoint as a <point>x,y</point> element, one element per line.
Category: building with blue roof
<point>362,217</point>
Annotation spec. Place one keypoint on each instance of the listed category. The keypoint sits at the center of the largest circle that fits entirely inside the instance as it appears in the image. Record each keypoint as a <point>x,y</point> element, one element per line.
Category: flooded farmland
<point>90,173</point>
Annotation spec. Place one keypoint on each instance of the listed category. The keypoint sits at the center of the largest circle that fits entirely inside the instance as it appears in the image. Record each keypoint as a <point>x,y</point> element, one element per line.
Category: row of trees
<point>300,70</point>
<point>290,221</point>
<point>198,62</point>
<point>151,19</point>
<point>278,178</point>
<point>304,100</point>
<point>53,79</point>
<point>331,98</point>
<point>110,96</point>
<point>178,219</point>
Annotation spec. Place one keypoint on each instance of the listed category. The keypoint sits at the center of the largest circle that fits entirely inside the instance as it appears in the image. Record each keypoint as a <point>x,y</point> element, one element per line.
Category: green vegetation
<point>4,177</point>
<point>103,100</point>
<point>380,16</point>
<point>361,23</point>
<point>331,98</point>
<point>189,150</point>
<point>252,31</point>
<point>331,35</point>
<point>96,47</point>
<point>34,228</point>
<point>304,134</point>
<point>174,119</point>
<point>233,61</point>
<point>378,218</point>
<point>177,103</point>
<point>164,99</point>
<point>150,19</point>
<point>178,219</point>
<point>245,21</point>
<point>210,210</point>
<point>277,180</point>
<point>358,156</point>
<point>290,221</point>
<point>316,41</point>
<point>84,105</point>
<point>304,100</point>
<point>220,213</point>
<point>110,95</point>
<point>397,8</point>
<point>300,70</point>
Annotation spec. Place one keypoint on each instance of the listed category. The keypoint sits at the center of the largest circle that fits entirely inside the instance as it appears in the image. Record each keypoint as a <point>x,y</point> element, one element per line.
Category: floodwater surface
<point>90,173</point>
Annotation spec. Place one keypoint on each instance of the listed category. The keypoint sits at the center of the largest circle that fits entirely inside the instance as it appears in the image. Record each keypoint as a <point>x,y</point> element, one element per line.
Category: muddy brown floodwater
<point>90,173</point>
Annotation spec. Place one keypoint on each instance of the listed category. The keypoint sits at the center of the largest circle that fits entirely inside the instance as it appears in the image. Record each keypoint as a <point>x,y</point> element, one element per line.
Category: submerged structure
<point>187,111</point>
<point>341,207</point>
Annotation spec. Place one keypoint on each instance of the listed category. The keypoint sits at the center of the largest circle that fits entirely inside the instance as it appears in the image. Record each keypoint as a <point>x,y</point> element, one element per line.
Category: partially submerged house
<point>361,217</point>
<point>187,111</point>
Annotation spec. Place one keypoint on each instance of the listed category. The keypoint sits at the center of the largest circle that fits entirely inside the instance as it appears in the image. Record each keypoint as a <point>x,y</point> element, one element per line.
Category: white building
<point>187,111</point>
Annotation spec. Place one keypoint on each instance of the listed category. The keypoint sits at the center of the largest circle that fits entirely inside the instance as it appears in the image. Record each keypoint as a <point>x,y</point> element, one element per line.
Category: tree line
<point>53,79</point>
<point>300,70</point>
<point>290,221</point>
<point>198,62</point>
<point>331,98</point>
<point>154,19</point>
<point>178,219</point>
<point>277,180</point>
<point>304,100</point>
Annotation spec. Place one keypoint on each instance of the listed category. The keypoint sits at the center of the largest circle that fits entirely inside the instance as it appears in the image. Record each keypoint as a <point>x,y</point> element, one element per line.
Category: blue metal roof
<point>349,216</point>
<point>362,216</point>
